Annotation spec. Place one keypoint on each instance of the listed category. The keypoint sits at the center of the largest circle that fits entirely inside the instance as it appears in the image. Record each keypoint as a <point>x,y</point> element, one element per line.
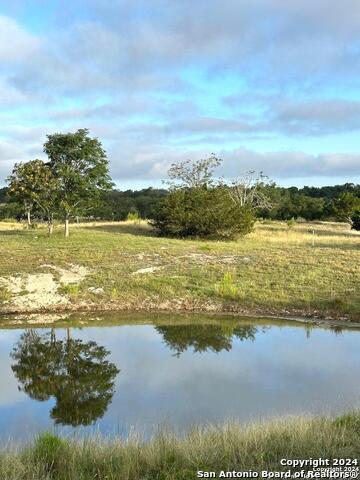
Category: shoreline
<point>176,308</point>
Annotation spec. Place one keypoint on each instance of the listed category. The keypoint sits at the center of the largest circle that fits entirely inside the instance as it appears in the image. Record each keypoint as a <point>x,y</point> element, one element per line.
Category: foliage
<point>80,165</point>
<point>133,216</point>
<point>355,219</point>
<point>251,190</point>
<point>346,205</point>
<point>206,212</point>
<point>71,183</point>
<point>200,206</point>
<point>33,183</point>
<point>190,174</point>
<point>291,222</point>
<point>309,203</point>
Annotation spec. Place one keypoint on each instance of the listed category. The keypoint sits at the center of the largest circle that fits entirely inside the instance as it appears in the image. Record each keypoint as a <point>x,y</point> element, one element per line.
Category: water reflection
<point>246,368</point>
<point>204,337</point>
<point>75,373</point>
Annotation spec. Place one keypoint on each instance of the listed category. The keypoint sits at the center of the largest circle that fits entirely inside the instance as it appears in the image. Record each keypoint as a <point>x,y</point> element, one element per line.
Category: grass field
<point>310,269</point>
<point>256,447</point>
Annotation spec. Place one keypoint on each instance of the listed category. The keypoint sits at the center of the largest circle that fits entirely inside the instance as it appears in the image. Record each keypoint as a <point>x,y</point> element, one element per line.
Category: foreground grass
<point>310,269</point>
<point>166,456</point>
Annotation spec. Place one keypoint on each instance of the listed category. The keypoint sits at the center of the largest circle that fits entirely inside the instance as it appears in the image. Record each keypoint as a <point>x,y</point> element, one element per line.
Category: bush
<point>355,218</point>
<point>203,211</point>
<point>291,222</point>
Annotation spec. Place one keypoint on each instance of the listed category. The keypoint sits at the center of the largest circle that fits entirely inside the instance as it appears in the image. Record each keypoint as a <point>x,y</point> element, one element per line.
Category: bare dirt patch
<point>35,291</point>
<point>146,270</point>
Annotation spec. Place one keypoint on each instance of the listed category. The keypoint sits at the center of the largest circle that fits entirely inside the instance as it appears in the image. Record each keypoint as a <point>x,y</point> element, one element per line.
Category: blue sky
<point>264,84</point>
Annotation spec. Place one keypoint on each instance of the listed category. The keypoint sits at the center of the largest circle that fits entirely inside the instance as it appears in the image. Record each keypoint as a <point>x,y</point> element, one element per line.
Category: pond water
<point>140,373</point>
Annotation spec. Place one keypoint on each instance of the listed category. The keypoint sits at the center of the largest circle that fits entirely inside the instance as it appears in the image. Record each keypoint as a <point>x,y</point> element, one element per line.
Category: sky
<point>266,85</point>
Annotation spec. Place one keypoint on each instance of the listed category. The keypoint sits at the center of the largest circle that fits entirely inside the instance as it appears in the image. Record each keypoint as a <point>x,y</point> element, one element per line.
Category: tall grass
<point>167,456</point>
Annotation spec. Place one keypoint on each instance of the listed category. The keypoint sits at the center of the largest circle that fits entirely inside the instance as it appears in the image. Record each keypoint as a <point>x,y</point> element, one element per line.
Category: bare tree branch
<point>248,190</point>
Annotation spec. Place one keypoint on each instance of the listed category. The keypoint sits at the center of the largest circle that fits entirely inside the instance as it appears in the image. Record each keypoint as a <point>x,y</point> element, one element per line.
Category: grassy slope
<point>273,270</point>
<point>229,447</point>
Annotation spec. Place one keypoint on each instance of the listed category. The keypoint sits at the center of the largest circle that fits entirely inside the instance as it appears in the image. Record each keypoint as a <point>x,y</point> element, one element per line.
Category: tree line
<point>74,182</point>
<point>308,203</point>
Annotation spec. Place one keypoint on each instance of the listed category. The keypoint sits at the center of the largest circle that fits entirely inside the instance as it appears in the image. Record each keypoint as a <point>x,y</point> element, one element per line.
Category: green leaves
<point>206,212</point>
<point>80,165</point>
<point>198,205</point>
<point>33,183</point>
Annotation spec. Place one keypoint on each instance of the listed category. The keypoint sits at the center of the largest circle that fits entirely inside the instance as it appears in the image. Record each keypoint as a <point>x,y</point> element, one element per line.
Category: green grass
<point>274,270</point>
<point>5,295</point>
<point>168,456</point>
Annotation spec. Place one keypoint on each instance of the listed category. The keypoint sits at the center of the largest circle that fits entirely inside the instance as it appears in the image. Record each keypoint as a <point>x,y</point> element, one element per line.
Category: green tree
<point>34,184</point>
<point>22,184</point>
<point>80,165</point>
<point>355,218</point>
<point>199,205</point>
<point>345,206</point>
<point>202,212</point>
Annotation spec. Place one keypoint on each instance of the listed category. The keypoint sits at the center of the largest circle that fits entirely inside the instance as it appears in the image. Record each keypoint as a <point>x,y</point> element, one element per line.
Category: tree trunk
<point>27,208</point>
<point>66,226</point>
<point>50,225</point>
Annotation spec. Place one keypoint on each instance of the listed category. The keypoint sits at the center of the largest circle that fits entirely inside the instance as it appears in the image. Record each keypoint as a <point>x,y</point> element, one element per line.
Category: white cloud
<point>148,81</point>
<point>15,43</point>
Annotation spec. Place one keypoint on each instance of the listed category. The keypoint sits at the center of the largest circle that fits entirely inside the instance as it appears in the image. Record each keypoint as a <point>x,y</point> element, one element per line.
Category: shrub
<point>355,218</point>
<point>202,211</point>
<point>291,222</point>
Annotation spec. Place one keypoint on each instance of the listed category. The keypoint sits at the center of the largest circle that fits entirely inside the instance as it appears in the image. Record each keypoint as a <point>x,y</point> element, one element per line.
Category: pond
<point>114,375</point>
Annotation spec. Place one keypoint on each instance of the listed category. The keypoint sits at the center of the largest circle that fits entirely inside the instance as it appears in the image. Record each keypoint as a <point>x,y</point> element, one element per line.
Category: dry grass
<point>309,269</point>
<point>167,456</point>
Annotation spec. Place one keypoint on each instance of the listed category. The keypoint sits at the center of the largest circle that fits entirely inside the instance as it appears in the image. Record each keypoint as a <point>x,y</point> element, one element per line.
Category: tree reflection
<point>204,337</point>
<point>74,372</point>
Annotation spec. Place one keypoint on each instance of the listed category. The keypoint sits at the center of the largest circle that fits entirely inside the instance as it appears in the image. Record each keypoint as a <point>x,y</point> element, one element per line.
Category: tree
<point>34,184</point>
<point>202,212</point>
<point>250,191</point>
<point>355,219</point>
<point>190,174</point>
<point>80,165</point>
<point>199,205</point>
<point>75,373</point>
<point>345,206</point>
<point>22,185</point>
